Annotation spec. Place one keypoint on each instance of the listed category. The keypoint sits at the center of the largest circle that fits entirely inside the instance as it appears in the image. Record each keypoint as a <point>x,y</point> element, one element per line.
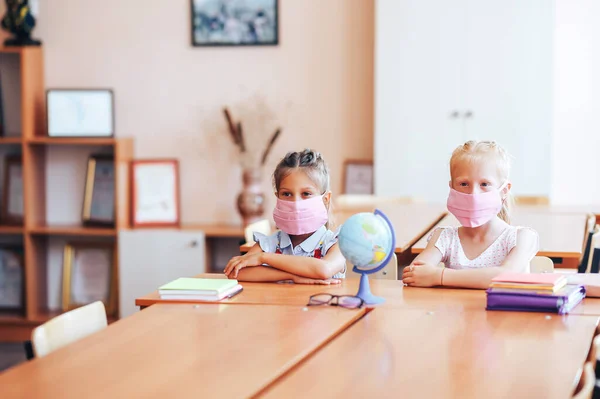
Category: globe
<point>367,240</point>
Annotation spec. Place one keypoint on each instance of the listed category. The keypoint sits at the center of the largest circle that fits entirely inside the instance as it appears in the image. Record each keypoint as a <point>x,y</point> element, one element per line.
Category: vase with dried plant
<point>251,200</point>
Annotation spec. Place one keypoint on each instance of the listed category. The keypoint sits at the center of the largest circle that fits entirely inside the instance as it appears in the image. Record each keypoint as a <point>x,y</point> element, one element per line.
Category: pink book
<point>529,281</point>
<point>529,278</point>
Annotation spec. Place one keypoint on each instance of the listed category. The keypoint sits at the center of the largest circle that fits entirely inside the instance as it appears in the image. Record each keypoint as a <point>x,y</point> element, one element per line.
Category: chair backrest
<point>590,228</point>
<point>594,266</point>
<point>68,327</point>
<point>541,264</point>
<point>594,349</point>
<point>389,272</point>
<point>587,381</point>
<point>262,226</point>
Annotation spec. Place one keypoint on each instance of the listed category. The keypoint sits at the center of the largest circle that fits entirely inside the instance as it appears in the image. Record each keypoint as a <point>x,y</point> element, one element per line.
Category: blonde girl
<point>486,244</point>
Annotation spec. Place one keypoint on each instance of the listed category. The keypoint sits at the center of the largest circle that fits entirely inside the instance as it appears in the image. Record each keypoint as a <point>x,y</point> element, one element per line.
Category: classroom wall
<point>576,166</point>
<point>571,173</point>
<point>446,73</point>
<point>318,84</point>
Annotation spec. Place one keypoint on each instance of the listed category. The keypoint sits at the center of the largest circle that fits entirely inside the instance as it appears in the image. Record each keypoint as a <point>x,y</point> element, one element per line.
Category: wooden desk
<point>217,230</point>
<point>561,234</point>
<point>410,221</point>
<point>396,296</point>
<point>181,351</point>
<point>454,354</point>
<point>394,292</point>
<point>564,209</point>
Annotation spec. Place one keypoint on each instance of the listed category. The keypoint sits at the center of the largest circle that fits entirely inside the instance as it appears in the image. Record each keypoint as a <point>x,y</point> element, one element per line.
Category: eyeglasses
<point>345,301</point>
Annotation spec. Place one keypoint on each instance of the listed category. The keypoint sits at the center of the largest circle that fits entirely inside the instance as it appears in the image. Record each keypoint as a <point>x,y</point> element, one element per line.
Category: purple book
<point>561,302</point>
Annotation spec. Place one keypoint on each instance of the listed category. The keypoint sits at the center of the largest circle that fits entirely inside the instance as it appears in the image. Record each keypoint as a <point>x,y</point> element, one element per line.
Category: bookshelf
<point>53,190</point>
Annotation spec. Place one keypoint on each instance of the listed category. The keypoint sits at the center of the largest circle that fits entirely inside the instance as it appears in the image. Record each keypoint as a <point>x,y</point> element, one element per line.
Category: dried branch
<point>232,129</point>
<point>268,149</point>
<point>241,137</point>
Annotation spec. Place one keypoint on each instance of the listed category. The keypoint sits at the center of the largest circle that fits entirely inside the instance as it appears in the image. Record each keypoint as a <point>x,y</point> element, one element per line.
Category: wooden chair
<point>594,350</point>
<point>262,226</point>
<point>594,264</point>
<point>389,272</point>
<point>532,200</point>
<point>587,381</point>
<point>541,264</point>
<point>585,260</point>
<point>68,327</point>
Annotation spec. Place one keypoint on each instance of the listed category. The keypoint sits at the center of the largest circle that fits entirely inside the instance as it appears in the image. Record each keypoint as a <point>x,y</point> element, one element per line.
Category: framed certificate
<point>11,279</point>
<point>12,206</point>
<point>80,113</point>
<point>155,193</point>
<point>88,275</point>
<point>358,177</point>
<point>99,196</point>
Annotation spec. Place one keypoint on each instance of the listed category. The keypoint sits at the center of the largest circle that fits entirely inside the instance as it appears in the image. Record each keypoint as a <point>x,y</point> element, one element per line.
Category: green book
<point>197,286</point>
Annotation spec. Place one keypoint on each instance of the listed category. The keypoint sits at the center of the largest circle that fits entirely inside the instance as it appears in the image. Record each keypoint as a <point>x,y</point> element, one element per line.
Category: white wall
<point>576,159</point>
<point>434,58</point>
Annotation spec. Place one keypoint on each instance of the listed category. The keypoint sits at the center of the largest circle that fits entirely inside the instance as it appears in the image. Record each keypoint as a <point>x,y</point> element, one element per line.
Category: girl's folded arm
<point>521,255</point>
<point>263,273</point>
<point>431,255</point>
<point>517,261</point>
<point>333,262</point>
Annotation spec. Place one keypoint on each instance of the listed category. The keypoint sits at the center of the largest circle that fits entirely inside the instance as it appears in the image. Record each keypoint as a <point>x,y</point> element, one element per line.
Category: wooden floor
<point>11,354</point>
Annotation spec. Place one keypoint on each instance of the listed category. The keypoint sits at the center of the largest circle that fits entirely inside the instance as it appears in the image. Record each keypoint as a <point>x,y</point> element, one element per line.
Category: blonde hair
<point>313,165</point>
<point>473,151</point>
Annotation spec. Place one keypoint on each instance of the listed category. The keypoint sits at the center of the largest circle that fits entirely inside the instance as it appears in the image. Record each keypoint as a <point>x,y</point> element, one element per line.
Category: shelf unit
<point>46,161</point>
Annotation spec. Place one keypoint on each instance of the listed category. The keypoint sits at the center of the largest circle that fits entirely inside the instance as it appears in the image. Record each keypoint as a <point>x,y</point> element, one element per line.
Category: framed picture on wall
<point>80,112</point>
<point>12,204</point>
<point>358,177</point>
<point>88,276</point>
<point>235,22</point>
<point>11,279</point>
<point>155,193</point>
<point>99,195</point>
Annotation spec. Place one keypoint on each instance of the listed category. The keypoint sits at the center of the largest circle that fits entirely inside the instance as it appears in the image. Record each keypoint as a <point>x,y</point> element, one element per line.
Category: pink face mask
<point>300,217</point>
<point>474,210</point>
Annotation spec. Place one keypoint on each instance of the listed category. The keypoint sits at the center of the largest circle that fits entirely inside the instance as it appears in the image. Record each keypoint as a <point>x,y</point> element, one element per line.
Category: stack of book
<point>199,289</point>
<point>531,292</point>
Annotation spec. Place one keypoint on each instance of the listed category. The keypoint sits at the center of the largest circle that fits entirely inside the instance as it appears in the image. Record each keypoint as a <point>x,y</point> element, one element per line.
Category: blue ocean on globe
<point>365,240</point>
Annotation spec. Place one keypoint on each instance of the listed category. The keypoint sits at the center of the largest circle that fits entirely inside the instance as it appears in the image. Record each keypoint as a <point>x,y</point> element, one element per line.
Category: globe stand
<point>364,291</point>
<point>353,237</point>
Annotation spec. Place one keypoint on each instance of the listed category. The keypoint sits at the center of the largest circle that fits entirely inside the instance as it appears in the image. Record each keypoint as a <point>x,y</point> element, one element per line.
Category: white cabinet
<point>446,72</point>
<point>151,258</point>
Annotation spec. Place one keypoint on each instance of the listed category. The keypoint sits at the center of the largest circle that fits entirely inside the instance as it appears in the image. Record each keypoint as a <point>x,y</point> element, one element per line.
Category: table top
<point>561,234</point>
<point>451,354</point>
<point>182,351</point>
<point>394,292</point>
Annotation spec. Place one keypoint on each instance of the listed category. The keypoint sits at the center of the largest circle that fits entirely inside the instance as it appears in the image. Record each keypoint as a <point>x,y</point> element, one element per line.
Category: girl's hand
<point>239,262</point>
<point>420,274</point>
<point>306,280</point>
